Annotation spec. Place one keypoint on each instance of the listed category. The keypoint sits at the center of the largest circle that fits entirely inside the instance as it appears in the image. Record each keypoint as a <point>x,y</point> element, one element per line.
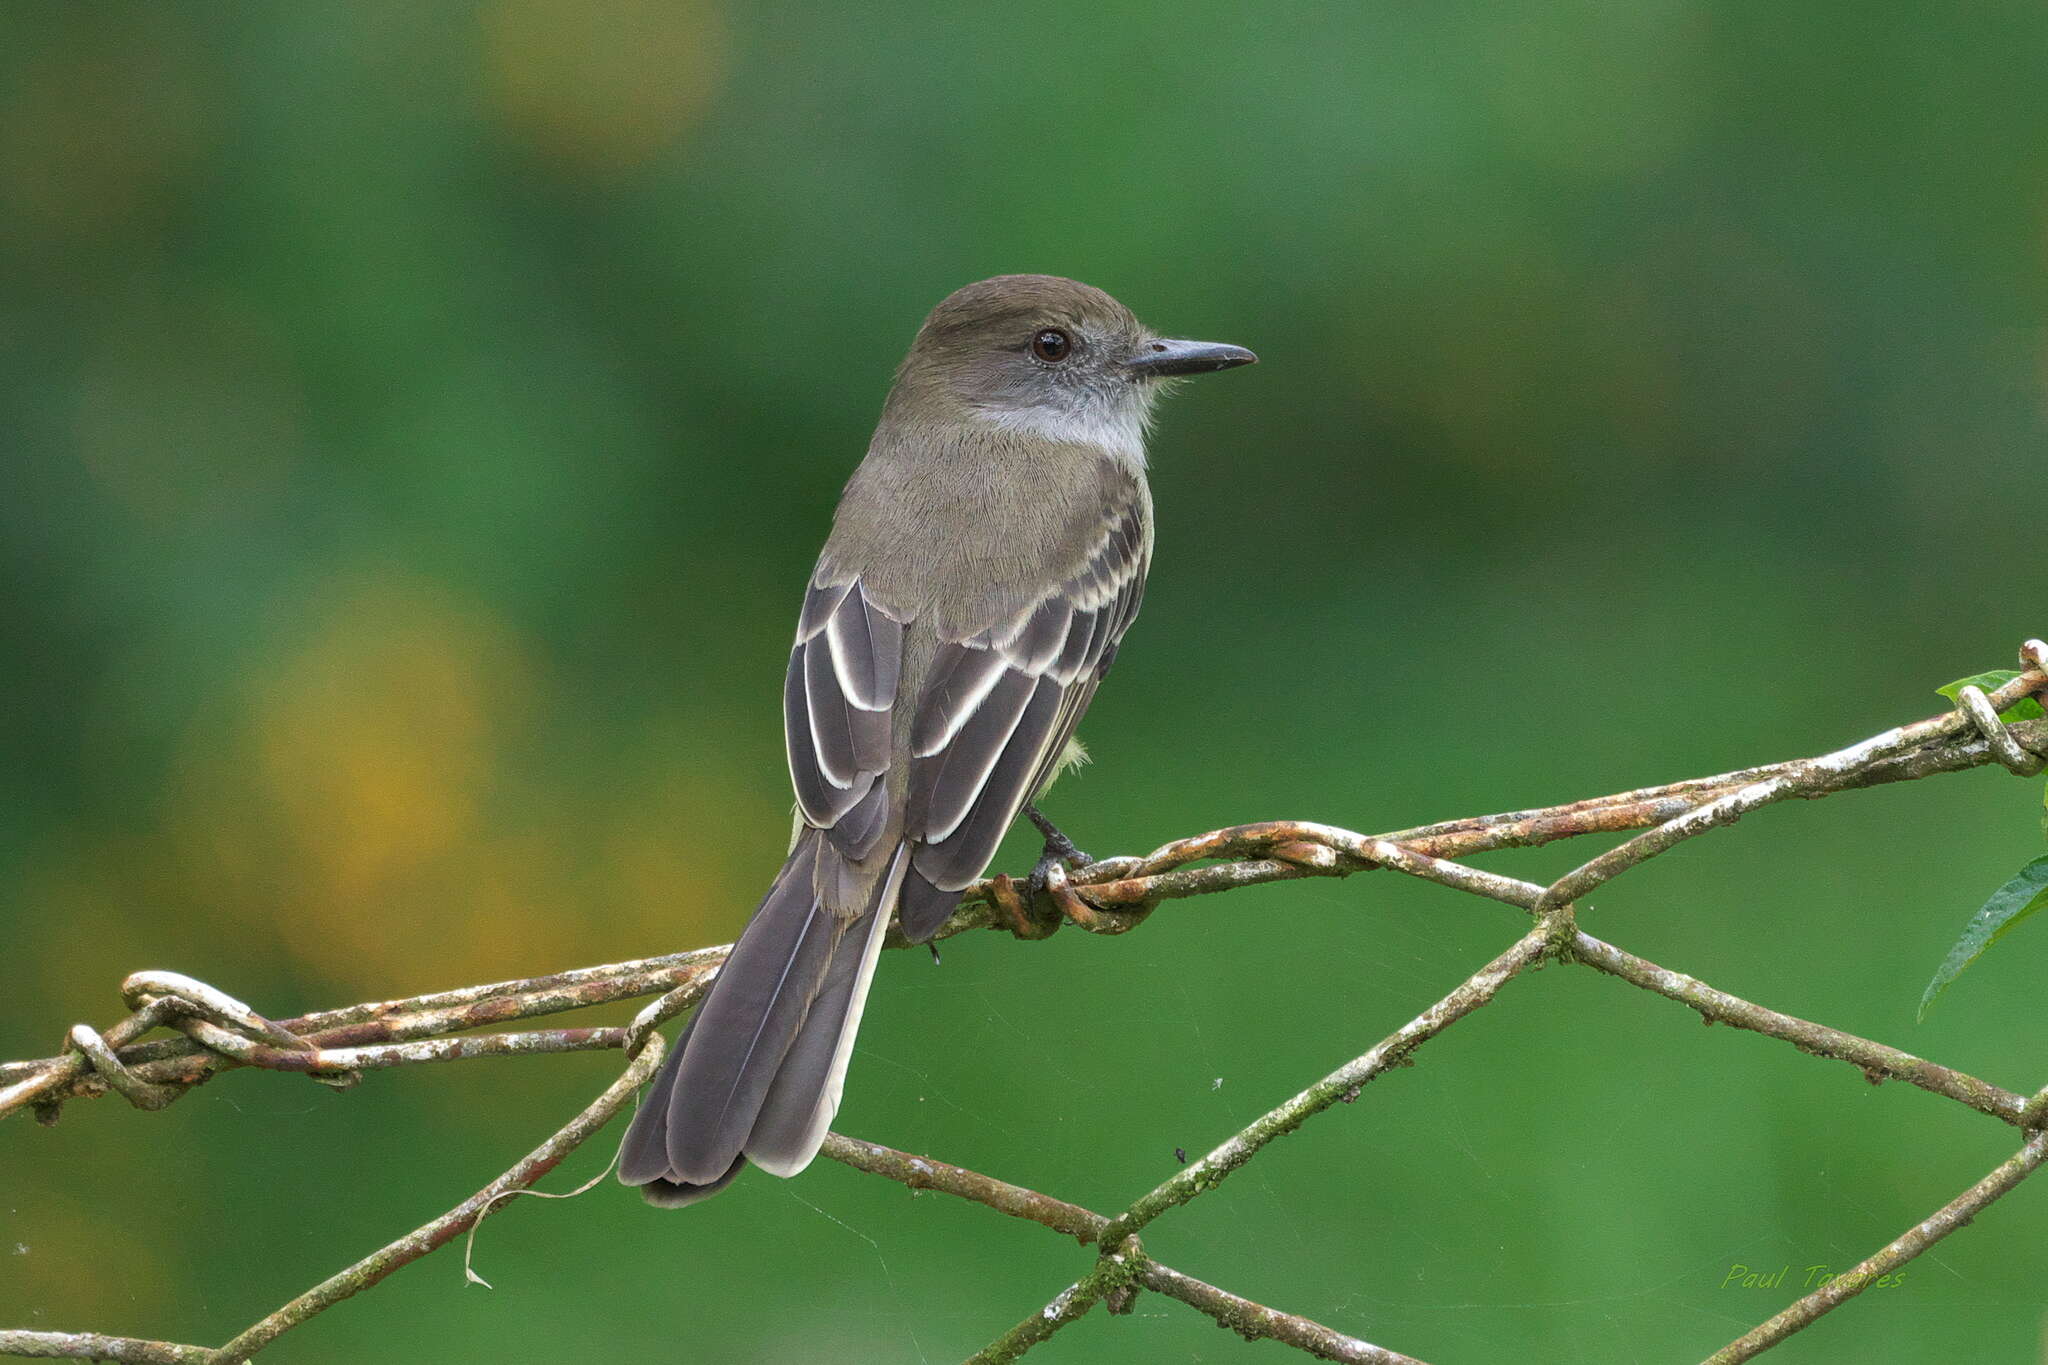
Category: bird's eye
<point>1051,346</point>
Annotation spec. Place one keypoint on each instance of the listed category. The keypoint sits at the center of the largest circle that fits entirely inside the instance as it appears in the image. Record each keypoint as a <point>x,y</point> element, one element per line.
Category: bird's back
<point>1033,509</point>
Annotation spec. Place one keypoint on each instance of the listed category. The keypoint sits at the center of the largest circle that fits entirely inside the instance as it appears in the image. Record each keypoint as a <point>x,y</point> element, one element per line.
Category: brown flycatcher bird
<point>984,563</point>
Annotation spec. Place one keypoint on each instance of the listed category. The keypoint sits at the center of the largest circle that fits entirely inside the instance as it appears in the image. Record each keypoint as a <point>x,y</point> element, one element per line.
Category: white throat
<point>1118,432</point>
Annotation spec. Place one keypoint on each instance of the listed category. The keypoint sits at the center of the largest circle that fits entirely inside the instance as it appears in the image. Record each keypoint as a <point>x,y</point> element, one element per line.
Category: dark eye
<point>1051,345</point>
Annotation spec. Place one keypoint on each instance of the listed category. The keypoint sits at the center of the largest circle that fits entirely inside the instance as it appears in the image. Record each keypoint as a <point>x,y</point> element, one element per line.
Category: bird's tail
<point>757,1074</point>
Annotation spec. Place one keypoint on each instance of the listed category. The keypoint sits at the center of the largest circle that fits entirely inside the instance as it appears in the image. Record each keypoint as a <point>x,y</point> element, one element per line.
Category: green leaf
<point>2026,708</point>
<point>2009,905</point>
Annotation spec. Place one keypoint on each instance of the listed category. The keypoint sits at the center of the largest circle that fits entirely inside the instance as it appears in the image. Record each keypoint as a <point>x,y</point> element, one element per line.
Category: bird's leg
<point>1049,876</point>
<point>1050,873</point>
<point>1058,847</point>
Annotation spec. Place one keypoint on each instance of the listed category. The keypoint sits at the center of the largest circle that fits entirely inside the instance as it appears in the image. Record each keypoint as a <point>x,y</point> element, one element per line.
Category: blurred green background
<point>419,421</point>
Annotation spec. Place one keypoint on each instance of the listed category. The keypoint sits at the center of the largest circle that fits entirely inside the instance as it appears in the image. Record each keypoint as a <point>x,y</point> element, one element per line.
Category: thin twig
<point>364,1273</point>
<point>1809,777</point>
<point>94,1346</point>
<point>1342,1084</point>
<point>1130,883</point>
<point>925,1173</point>
<point>1110,896</point>
<point>183,1061</point>
<point>1250,1320</point>
<point>452,1224</point>
<point>1955,1214</point>
<point>425,1050</point>
<point>1070,1305</point>
<point>1255,1321</point>
<point>1110,884</point>
<point>1877,1061</point>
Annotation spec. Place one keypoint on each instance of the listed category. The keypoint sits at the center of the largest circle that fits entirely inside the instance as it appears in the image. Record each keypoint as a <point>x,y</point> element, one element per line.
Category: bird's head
<point>1046,356</point>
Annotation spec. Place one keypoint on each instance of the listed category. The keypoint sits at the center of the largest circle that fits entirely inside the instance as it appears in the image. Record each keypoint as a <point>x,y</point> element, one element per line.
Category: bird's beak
<point>1158,358</point>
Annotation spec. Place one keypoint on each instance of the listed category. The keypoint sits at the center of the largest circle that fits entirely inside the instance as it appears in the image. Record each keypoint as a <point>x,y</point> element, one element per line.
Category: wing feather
<point>945,786</point>
<point>955,855</point>
<point>994,712</point>
<point>1073,657</point>
<point>999,709</point>
<point>1044,634</point>
<point>867,652</point>
<point>837,698</point>
<point>831,718</point>
<point>820,601</point>
<point>960,681</point>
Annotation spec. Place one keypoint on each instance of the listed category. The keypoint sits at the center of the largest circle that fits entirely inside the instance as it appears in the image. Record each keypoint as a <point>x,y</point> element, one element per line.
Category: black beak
<point>1157,359</point>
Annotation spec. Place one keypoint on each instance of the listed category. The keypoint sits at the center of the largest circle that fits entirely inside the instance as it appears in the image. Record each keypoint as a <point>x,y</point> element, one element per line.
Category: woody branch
<point>214,1032</point>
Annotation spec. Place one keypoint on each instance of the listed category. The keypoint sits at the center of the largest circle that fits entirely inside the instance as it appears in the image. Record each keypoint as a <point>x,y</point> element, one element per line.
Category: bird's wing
<point>997,708</point>
<point>837,702</point>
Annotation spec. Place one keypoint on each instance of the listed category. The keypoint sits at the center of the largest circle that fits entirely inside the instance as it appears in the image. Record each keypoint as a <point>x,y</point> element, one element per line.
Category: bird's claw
<point>1058,847</point>
<point>1050,878</point>
<point>1050,875</point>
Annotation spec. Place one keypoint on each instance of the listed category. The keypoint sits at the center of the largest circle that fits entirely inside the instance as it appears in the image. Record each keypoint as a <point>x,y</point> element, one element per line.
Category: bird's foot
<point>1058,847</point>
<point>1050,875</point>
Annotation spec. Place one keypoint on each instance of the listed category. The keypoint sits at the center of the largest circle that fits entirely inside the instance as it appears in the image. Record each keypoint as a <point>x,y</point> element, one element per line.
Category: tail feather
<point>746,1023</point>
<point>757,1072</point>
<point>926,906</point>
<point>805,1097</point>
<point>643,1156</point>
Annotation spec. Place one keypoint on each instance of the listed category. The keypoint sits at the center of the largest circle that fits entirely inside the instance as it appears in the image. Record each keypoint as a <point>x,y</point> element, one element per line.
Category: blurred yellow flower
<point>601,89</point>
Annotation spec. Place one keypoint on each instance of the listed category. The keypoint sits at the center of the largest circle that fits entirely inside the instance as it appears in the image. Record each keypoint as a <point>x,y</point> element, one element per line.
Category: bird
<point>985,560</point>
